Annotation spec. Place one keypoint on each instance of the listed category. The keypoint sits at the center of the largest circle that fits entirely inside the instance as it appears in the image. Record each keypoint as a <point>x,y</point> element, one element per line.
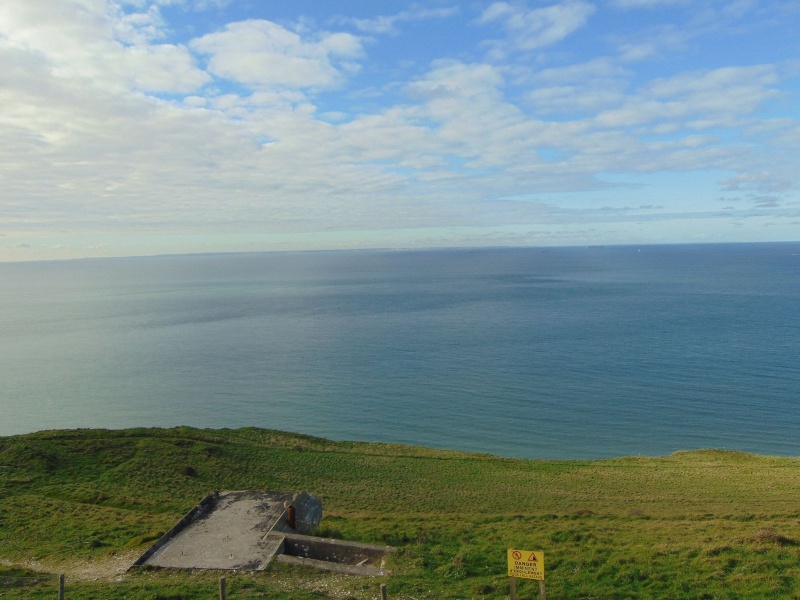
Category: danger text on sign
<point>526,564</point>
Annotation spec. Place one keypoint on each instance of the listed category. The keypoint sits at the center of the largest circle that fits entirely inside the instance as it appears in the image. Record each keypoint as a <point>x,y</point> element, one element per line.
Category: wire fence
<point>33,587</point>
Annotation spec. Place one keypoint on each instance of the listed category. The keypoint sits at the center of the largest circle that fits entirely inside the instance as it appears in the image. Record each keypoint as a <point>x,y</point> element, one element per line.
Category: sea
<point>549,353</point>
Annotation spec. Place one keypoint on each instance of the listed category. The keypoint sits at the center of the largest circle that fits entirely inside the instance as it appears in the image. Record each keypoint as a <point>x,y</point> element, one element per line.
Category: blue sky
<point>134,127</point>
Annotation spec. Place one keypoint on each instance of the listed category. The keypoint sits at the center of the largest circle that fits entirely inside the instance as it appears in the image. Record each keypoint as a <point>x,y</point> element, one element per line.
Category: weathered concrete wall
<point>326,565</point>
<point>335,555</point>
<point>338,551</point>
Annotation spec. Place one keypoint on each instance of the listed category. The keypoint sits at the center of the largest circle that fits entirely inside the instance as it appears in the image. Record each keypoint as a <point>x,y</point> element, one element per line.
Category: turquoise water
<point>550,353</point>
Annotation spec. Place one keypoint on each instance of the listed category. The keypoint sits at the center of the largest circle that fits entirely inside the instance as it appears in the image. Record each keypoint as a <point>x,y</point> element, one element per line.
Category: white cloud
<point>578,89</point>
<point>719,98</point>
<point>599,68</point>
<point>764,180</point>
<point>140,27</point>
<point>197,5</point>
<point>262,53</point>
<point>465,102</point>
<point>97,43</point>
<point>163,68</point>
<point>454,79</point>
<point>531,29</point>
<point>387,24</point>
<point>693,23</point>
<point>574,99</point>
<point>656,41</point>
<point>726,81</point>
<point>626,4</point>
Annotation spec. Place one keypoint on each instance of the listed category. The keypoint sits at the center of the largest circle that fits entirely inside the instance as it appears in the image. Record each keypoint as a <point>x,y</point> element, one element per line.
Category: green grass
<point>705,524</point>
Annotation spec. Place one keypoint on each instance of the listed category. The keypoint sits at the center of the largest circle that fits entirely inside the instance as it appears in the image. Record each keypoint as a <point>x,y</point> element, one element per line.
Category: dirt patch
<point>106,568</point>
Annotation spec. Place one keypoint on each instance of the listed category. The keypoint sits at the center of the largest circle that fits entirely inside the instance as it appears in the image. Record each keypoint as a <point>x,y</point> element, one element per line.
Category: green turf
<point>704,524</point>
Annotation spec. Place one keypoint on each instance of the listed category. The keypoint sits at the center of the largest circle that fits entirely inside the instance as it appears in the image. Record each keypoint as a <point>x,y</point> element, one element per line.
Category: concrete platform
<point>225,531</point>
<point>245,530</point>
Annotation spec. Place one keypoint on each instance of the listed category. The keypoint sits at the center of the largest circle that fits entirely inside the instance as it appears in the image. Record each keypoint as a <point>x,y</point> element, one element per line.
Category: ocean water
<point>536,353</point>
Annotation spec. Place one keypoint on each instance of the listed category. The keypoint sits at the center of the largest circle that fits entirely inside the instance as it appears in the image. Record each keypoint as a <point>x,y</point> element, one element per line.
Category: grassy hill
<point>703,524</point>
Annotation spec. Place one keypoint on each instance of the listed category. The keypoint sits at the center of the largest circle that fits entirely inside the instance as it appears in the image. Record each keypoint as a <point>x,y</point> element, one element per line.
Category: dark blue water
<point>551,353</point>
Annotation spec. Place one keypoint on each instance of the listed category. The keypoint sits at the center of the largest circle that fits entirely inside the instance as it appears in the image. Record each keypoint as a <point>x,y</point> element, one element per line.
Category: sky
<point>139,127</point>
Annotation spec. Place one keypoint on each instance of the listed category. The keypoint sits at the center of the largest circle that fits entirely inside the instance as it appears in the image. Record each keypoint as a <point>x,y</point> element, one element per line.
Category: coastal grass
<point>702,524</point>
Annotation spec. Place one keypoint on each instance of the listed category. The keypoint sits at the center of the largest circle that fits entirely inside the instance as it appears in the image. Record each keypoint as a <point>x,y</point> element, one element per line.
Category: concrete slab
<point>229,535</point>
<point>247,529</point>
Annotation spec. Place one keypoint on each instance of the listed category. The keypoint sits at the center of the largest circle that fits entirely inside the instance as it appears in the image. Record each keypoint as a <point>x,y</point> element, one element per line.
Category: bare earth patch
<point>106,568</point>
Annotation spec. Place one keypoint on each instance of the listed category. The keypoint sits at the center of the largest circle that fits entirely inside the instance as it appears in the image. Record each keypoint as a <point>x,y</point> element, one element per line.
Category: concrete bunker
<point>246,530</point>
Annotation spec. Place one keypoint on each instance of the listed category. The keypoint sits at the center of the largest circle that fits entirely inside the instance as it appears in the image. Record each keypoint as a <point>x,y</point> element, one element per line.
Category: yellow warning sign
<point>526,564</point>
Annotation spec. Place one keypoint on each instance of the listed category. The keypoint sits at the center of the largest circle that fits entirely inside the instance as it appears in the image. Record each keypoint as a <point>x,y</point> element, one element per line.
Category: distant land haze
<point>546,353</point>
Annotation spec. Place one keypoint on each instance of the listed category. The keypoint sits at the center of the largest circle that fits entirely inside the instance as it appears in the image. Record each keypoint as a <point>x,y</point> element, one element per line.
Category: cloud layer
<point>157,126</point>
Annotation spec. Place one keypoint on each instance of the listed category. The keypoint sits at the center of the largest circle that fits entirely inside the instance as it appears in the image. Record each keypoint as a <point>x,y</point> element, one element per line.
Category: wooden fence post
<point>61,587</point>
<point>384,594</point>
<point>223,589</point>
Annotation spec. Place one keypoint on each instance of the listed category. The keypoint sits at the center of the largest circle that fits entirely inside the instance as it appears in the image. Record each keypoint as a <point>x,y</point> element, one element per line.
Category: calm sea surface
<point>548,353</point>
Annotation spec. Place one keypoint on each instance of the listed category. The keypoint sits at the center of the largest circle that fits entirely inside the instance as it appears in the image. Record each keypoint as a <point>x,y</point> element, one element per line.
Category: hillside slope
<point>702,524</point>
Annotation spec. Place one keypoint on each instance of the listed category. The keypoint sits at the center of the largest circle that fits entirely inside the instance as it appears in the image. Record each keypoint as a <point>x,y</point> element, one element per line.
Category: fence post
<point>61,587</point>
<point>384,594</point>
<point>223,589</point>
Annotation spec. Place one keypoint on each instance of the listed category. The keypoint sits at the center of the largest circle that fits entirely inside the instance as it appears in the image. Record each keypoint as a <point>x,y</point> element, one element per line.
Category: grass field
<point>703,524</point>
